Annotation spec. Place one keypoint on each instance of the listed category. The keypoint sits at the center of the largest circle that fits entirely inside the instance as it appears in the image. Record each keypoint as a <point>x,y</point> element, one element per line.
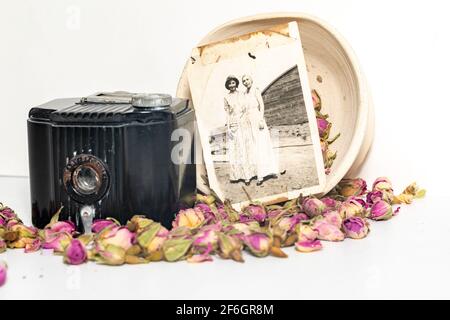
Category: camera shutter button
<point>151,100</point>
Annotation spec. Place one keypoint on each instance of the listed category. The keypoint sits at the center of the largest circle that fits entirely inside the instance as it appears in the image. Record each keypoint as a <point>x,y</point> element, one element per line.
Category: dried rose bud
<point>207,199</point>
<point>101,224</point>
<point>24,231</point>
<point>2,245</point>
<point>374,196</point>
<point>2,222</point>
<point>155,246</point>
<point>3,273</point>
<point>33,246</point>
<point>117,236</point>
<point>255,212</point>
<point>75,253</point>
<point>57,241</point>
<point>313,207</point>
<point>190,218</point>
<point>258,244</point>
<point>246,228</point>
<point>356,227</point>
<point>409,194</point>
<point>380,210</point>
<point>305,232</point>
<point>207,236</point>
<point>324,128</point>
<point>351,208</point>
<point>138,223</point>
<point>328,232</point>
<point>8,213</point>
<point>317,101</point>
<point>146,236</point>
<point>330,203</point>
<point>382,184</point>
<point>230,247</point>
<point>333,217</point>
<point>307,246</point>
<point>202,257</point>
<point>63,226</point>
<point>176,249</point>
<point>352,187</point>
<point>111,255</point>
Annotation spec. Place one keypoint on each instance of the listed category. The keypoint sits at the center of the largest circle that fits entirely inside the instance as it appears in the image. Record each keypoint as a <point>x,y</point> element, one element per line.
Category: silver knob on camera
<point>151,100</point>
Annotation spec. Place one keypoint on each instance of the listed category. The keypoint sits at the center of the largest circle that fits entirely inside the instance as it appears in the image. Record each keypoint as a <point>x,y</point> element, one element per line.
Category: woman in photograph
<point>240,135</point>
<point>264,156</point>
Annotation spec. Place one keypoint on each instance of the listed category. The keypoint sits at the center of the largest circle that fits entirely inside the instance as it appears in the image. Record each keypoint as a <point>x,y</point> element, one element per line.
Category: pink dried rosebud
<point>324,127</point>
<point>375,196</point>
<point>246,228</point>
<point>313,207</point>
<point>119,237</point>
<point>33,246</point>
<point>111,255</point>
<point>63,226</point>
<point>208,236</point>
<point>2,221</point>
<point>330,203</point>
<point>8,213</point>
<point>258,243</point>
<point>2,245</point>
<point>327,231</point>
<point>351,208</point>
<point>190,218</point>
<point>307,246</point>
<point>75,253</point>
<point>57,241</point>
<point>382,184</point>
<point>230,247</point>
<point>356,227</point>
<point>352,187</point>
<point>101,224</point>
<point>334,218</point>
<point>23,231</point>
<point>255,212</point>
<point>381,210</point>
<point>3,273</point>
<point>305,233</point>
<point>208,213</point>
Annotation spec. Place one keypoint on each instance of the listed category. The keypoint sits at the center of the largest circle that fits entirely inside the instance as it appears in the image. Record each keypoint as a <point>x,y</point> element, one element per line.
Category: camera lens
<point>86,180</point>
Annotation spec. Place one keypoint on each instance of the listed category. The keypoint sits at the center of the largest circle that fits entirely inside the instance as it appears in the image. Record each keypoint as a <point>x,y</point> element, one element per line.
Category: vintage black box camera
<point>111,155</point>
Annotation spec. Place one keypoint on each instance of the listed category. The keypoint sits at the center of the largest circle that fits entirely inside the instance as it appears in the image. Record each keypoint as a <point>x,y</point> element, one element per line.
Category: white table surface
<point>407,257</point>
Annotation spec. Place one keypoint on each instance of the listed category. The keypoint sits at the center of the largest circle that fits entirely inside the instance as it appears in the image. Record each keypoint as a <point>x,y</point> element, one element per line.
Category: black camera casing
<point>131,154</point>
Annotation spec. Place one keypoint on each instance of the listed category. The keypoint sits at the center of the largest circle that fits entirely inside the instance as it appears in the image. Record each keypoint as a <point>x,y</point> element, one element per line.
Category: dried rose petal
<point>75,253</point>
<point>356,227</point>
<point>308,245</point>
<point>3,273</point>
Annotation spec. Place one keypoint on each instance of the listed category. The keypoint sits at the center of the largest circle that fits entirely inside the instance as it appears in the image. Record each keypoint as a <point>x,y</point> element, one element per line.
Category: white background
<point>404,49</point>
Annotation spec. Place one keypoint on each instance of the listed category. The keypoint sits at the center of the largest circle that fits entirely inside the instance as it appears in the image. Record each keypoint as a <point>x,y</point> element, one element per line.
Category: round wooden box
<point>336,75</point>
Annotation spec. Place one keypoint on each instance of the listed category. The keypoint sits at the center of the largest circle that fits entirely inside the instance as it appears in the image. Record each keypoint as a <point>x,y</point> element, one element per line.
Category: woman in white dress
<point>240,135</point>
<point>265,157</point>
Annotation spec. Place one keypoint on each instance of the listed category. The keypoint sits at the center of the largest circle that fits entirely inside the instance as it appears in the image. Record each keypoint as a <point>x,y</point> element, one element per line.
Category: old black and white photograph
<point>257,126</point>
